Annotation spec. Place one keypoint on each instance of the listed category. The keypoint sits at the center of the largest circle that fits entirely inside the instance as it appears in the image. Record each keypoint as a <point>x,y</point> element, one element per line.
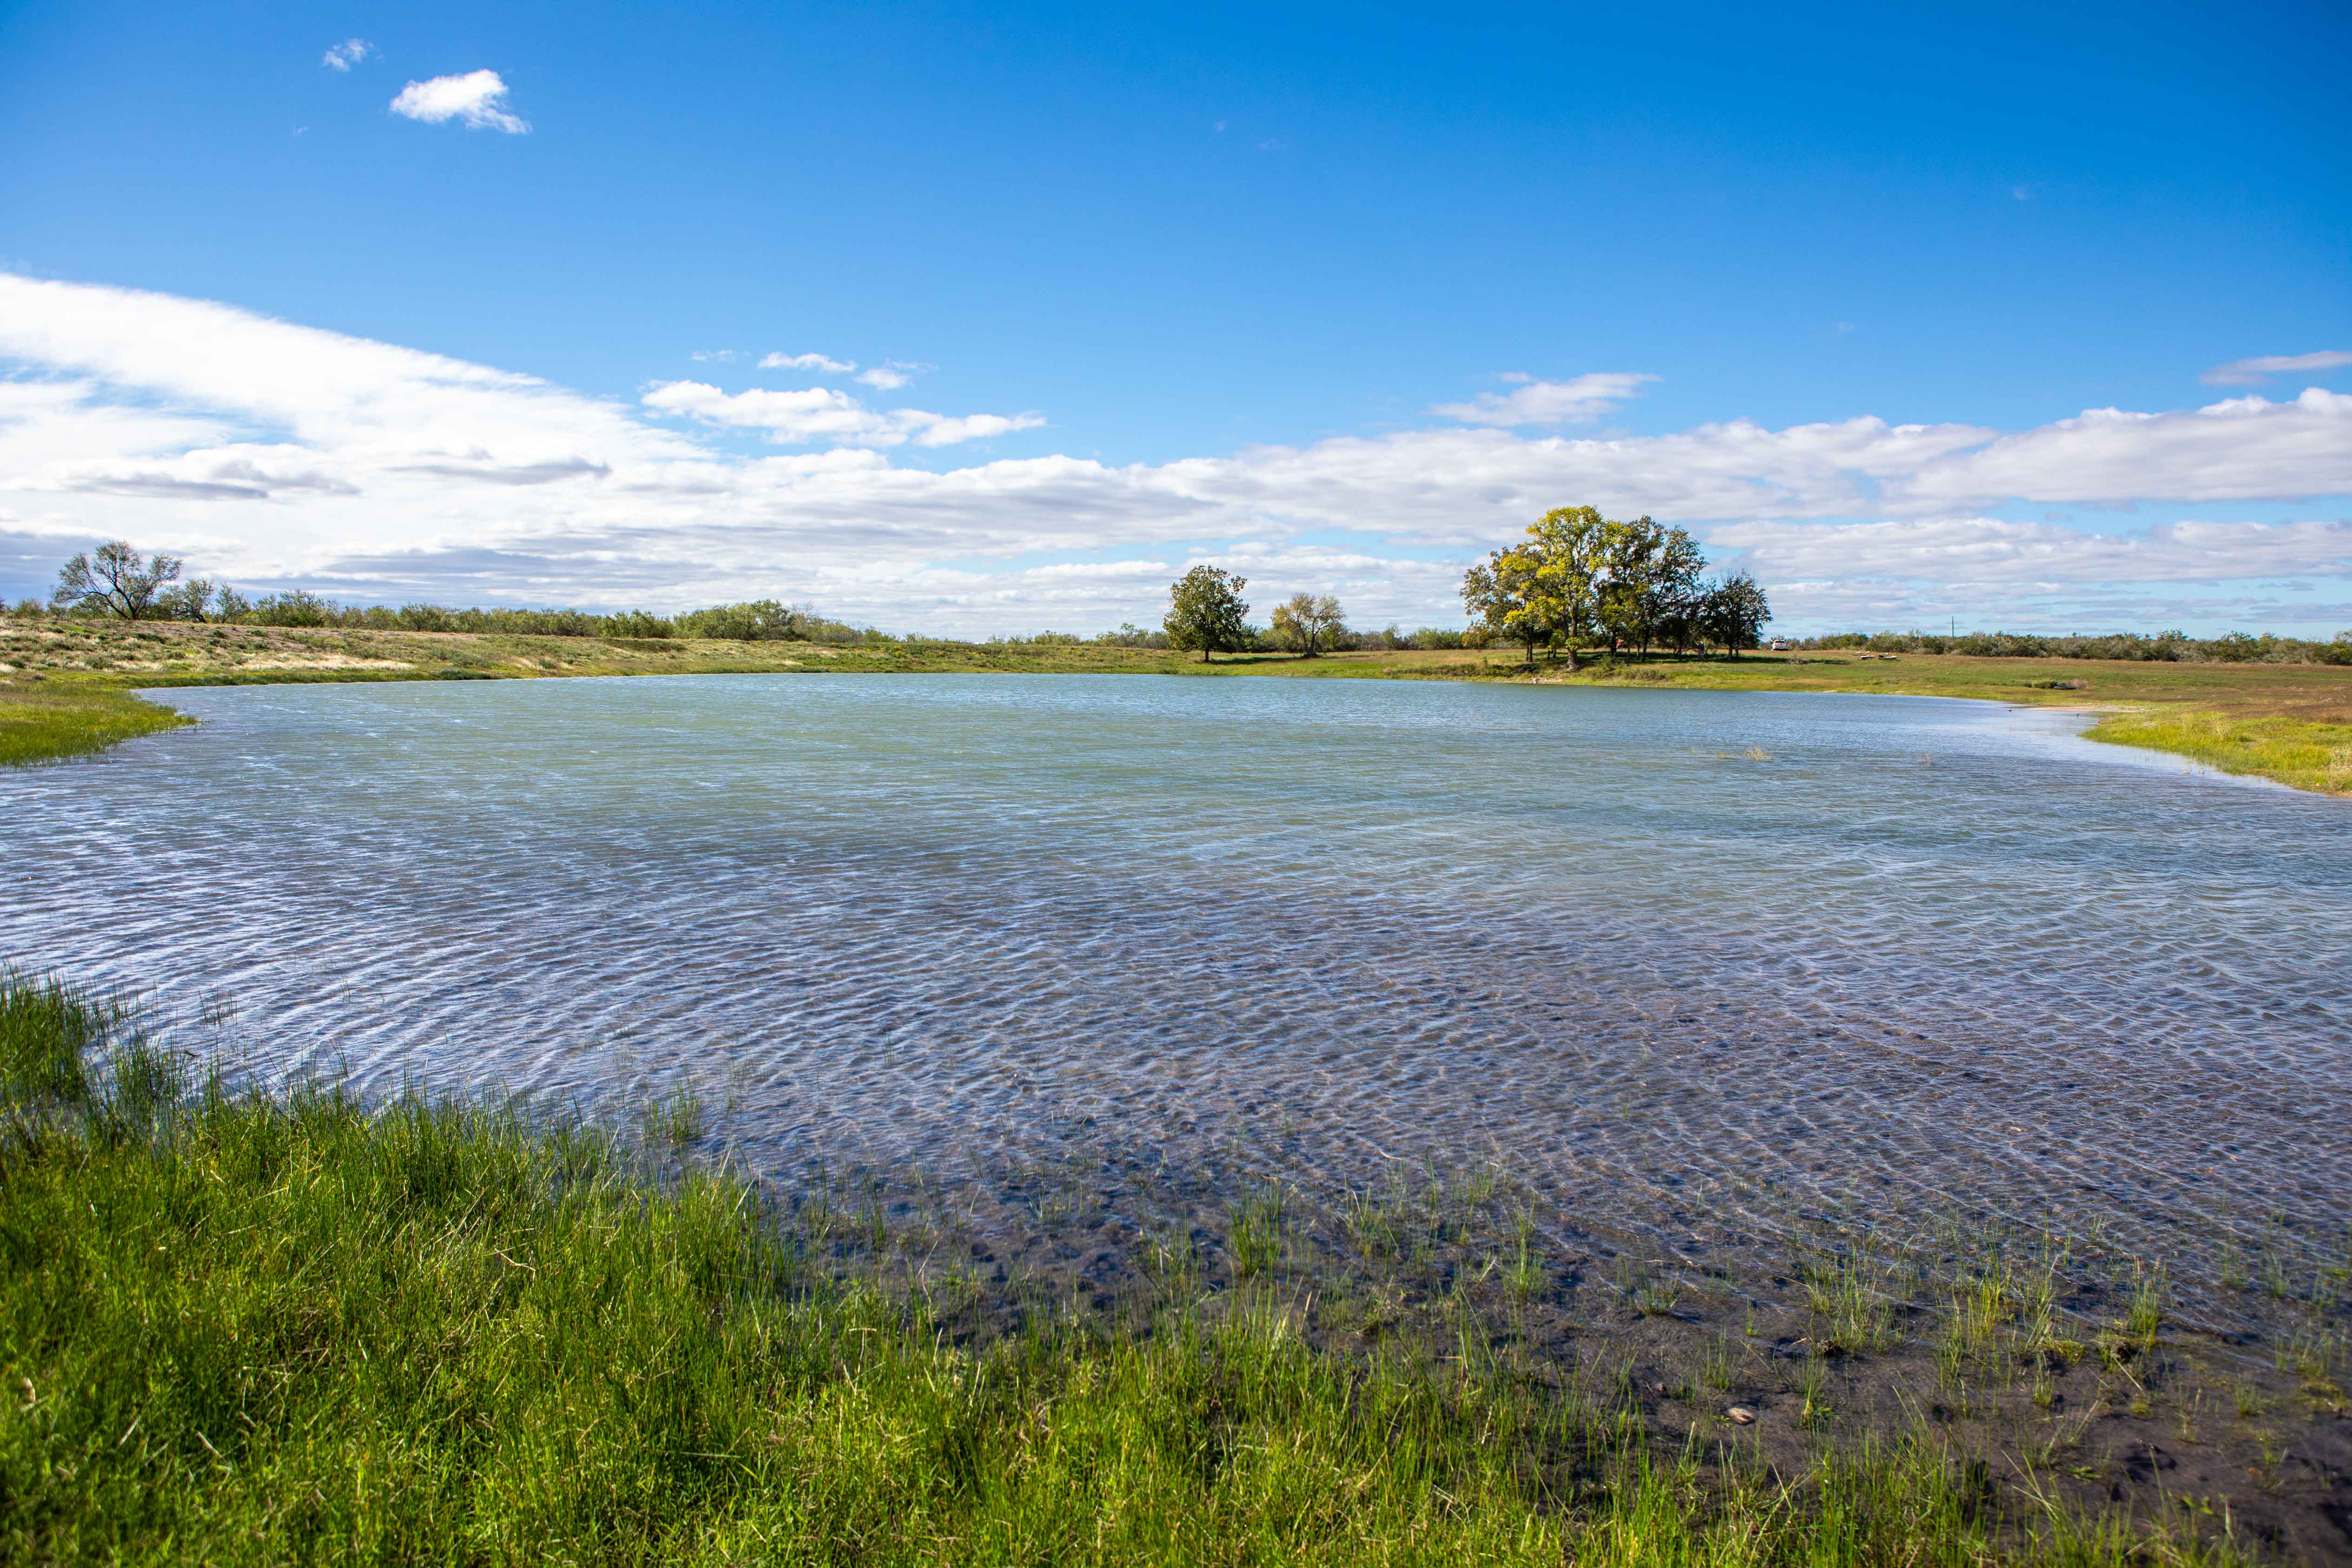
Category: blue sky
<point>1217,284</point>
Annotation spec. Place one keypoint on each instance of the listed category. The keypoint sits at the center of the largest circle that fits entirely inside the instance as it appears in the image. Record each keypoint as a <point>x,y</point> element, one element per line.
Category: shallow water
<point>1689,959</point>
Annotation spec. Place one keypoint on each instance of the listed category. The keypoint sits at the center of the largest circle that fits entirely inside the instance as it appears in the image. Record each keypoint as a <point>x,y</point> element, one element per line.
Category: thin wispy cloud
<point>342,56</point>
<point>823,363</point>
<point>2263,367</point>
<point>477,100</point>
<point>891,375</point>
<point>821,414</point>
<point>1984,551</point>
<point>1577,402</point>
<point>272,453</point>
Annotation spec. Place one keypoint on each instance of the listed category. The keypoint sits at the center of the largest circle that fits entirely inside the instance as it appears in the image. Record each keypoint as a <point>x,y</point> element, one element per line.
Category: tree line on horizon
<point>1577,581</point>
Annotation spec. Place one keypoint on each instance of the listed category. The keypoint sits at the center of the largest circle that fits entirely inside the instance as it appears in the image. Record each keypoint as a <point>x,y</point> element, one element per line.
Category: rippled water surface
<point>1664,950</point>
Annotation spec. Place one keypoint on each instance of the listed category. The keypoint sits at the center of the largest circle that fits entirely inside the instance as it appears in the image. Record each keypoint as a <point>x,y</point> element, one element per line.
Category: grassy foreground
<point>63,685</point>
<point>239,1328</point>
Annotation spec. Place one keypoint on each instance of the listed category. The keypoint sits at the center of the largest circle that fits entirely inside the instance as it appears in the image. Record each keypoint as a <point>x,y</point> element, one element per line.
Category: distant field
<point>62,684</point>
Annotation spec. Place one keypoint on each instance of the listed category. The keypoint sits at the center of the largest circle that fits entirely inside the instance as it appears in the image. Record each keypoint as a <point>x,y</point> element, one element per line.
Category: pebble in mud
<point>1741,1416</point>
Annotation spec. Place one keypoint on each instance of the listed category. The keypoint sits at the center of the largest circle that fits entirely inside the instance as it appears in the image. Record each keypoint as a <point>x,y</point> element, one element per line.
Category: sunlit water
<point>1686,958</point>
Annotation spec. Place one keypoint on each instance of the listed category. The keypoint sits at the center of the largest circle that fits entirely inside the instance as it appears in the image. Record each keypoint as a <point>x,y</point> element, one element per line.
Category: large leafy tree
<point>1577,544</point>
<point>1732,611</point>
<point>1578,575</point>
<point>1307,624</point>
<point>1205,612</point>
<point>1507,595</point>
<point>1547,586</point>
<point>115,580</point>
<point>1651,584</point>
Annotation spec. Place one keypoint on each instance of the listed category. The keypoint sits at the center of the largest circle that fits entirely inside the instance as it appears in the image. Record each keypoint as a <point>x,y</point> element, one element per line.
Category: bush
<point>636,624</point>
<point>761,620</point>
<point>294,607</point>
<point>2236,648</point>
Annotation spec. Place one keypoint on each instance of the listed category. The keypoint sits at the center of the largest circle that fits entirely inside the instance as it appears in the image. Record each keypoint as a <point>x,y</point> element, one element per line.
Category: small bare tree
<point>114,579</point>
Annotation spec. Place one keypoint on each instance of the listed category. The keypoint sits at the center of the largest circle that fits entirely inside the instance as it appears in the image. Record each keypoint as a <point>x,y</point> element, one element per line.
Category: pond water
<point>1688,958</point>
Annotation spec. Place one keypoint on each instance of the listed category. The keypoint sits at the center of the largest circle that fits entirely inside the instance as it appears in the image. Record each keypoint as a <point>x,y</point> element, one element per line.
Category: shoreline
<point>66,687</point>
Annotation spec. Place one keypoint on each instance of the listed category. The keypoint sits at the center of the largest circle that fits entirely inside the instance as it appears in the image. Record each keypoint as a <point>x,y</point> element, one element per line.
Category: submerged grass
<point>239,1327</point>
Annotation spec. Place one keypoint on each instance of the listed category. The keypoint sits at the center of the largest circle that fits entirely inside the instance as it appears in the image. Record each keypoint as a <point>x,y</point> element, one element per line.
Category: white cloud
<point>1577,402</point>
<point>891,376</point>
<point>1982,550</point>
<point>477,99</point>
<point>721,356</point>
<point>277,454</point>
<point>2262,367</point>
<point>938,430</point>
<point>2240,449</point>
<point>820,362</point>
<point>342,56</point>
<point>821,414</point>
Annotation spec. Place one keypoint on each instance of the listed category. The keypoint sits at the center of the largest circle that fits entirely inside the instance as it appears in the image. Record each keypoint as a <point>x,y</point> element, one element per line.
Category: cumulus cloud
<point>2262,367</point>
<point>821,414</point>
<point>475,99</point>
<point>342,56</point>
<point>280,455</point>
<point>823,363</point>
<point>1577,402</point>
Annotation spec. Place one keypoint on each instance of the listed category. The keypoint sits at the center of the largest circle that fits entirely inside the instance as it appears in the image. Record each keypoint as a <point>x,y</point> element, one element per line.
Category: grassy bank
<point>2305,753</point>
<point>242,1328</point>
<point>42,723</point>
<point>61,683</point>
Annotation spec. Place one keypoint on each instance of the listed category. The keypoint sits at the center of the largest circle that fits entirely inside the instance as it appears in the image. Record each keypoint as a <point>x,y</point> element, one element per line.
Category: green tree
<point>114,579</point>
<point>1505,593</point>
<point>1307,625</point>
<point>1651,582</point>
<point>1205,611</point>
<point>1578,544</point>
<point>1546,586</point>
<point>191,601</point>
<point>1732,610</point>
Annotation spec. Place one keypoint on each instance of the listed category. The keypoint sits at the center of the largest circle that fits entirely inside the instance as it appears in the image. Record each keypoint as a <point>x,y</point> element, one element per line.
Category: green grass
<point>240,1328</point>
<point>2304,754</point>
<point>54,720</point>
